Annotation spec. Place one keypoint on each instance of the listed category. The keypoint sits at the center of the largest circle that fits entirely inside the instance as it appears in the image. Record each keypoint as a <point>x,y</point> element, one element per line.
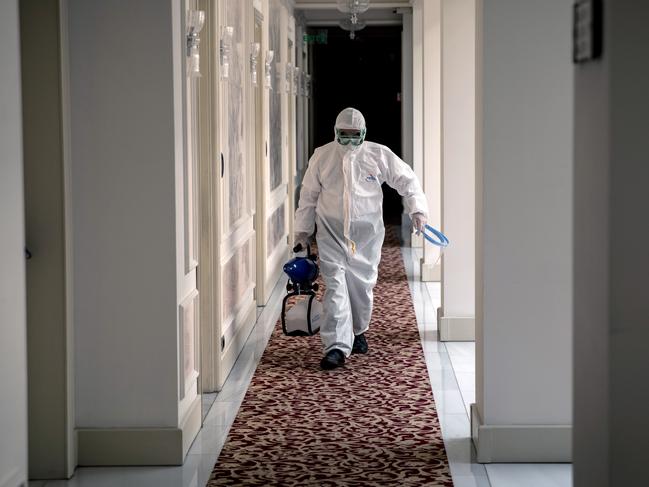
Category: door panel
<point>276,229</point>
<point>237,279</point>
<point>234,150</point>
<point>190,173</point>
<point>275,95</point>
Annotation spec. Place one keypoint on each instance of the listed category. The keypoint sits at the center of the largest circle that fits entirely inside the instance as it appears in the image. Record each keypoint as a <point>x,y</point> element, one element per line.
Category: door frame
<point>209,197</point>
<point>269,201</point>
<point>260,111</point>
<point>291,120</point>
<point>235,328</point>
<point>58,457</point>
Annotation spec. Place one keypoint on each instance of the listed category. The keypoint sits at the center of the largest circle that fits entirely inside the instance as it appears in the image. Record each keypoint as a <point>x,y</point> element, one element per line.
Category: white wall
<point>13,362</point>
<point>124,159</point>
<point>524,254</point>
<point>431,52</point>
<point>611,259</point>
<point>458,156</point>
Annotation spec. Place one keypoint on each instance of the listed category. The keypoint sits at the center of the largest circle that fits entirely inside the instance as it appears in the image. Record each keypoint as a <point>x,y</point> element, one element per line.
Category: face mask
<point>350,137</point>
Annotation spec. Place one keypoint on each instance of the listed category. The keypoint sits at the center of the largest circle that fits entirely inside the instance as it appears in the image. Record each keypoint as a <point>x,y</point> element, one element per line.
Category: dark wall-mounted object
<point>587,30</point>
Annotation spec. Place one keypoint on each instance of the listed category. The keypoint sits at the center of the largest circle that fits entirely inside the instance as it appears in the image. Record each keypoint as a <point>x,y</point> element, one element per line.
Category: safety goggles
<point>350,136</point>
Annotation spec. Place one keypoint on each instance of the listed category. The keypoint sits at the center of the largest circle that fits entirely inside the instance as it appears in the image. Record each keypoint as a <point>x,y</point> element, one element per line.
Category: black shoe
<point>360,344</point>
<point>335,358</point>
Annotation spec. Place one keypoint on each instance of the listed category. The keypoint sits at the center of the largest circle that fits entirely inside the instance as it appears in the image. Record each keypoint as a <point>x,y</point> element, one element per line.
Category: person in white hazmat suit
<point>341,192</point>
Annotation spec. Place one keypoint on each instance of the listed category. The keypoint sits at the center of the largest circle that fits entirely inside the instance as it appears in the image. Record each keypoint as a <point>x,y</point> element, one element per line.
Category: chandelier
<point>348,25</point>
<point>353,8</point>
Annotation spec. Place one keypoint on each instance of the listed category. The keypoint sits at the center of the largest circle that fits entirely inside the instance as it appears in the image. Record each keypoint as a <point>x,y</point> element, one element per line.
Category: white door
<point>276,185</point>
<point>237,249</point>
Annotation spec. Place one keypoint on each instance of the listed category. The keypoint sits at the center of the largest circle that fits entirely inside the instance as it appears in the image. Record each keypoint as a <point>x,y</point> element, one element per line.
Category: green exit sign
<point>319,38</point>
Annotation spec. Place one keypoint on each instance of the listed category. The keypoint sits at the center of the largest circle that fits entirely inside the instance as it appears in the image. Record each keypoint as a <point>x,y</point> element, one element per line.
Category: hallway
<point>160,160</point>
<point>451,367</point>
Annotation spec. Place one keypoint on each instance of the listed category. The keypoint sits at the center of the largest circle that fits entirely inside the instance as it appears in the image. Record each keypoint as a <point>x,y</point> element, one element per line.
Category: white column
<point>127,154</point>
<point>611,265</point>
<point>524,233</point>
<point>13,355</point>
<point>432,129</point>
<point>457,316</point>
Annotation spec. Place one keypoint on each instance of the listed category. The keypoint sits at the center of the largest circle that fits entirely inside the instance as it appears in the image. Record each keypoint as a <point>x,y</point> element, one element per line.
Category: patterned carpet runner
<point>371,423</point>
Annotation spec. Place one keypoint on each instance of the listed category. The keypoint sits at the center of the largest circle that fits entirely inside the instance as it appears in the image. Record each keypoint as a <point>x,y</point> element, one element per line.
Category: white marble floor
<point>451,367</point>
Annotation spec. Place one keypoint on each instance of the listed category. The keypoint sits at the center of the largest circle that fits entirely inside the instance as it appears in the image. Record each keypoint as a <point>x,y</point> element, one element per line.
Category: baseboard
<point>15,478</point>
<point>455,328</point>
<point>192,423</point>
<point>431,272</point>
<point>520,443</point>
<point>237,343</point>
<point>130,446</point>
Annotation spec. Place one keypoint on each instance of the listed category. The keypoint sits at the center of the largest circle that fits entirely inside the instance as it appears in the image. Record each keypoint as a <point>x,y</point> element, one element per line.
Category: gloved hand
<point>301,241</point>
<point>419,222</point>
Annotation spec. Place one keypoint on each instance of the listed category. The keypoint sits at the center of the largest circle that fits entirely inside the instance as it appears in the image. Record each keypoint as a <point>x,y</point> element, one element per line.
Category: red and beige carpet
<point>372,422</point>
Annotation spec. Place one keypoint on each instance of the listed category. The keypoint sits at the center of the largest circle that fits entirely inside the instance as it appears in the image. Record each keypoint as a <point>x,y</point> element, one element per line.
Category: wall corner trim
<point>191,424</point>
<point>455,328</point>
<point>545,443</point>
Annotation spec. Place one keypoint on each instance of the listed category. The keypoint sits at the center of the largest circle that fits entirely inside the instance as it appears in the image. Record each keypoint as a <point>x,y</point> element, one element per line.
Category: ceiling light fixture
<point>353,8</point>
<point>351,26</point>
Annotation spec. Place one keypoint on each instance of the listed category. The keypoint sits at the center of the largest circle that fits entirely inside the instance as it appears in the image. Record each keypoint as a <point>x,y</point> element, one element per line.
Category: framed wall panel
<point>190,171</point>
<point>273,206</point>
<point>276,229</point>
<point>275,117</point>
<point>234,150</point>
<point>237,278</point>
<point>189,344</point>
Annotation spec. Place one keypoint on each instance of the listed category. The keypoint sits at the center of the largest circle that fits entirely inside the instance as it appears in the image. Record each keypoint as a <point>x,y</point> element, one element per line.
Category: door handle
<point>222,165</point>
<point>28,254</point>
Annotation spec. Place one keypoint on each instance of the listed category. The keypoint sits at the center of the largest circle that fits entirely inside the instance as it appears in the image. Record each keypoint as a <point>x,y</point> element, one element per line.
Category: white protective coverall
<point>341,192</point>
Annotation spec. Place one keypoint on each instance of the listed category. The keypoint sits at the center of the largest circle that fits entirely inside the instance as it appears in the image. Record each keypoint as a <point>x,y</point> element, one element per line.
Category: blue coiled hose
<point>441,241</point>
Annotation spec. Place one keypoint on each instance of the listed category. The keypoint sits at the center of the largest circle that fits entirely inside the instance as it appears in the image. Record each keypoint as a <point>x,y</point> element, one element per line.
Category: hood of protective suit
<point>350,119</point>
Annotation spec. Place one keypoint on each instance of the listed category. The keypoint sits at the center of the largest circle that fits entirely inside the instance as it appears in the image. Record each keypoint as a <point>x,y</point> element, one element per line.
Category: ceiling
<point>319,13</point>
